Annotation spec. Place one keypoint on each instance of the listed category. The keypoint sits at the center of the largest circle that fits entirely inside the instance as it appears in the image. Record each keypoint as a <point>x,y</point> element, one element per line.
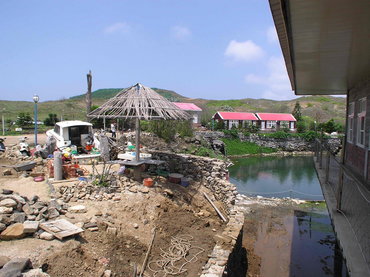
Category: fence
<point>351,194</point>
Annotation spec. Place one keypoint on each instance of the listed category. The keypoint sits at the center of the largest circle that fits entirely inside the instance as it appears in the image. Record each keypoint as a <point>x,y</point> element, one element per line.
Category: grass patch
<point>237,147</point>
<point>317,205</point>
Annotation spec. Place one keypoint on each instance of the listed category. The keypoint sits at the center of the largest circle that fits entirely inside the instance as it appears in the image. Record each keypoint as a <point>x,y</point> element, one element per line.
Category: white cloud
<point>243,51</point>
<point>276,82</point>
<point>180,32</point>
<point>254,79</point>
<point>271,34</point>
<point>119,27</point>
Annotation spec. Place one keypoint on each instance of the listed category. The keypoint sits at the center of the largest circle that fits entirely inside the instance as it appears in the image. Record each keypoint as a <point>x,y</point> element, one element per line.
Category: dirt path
<point>13,140</point>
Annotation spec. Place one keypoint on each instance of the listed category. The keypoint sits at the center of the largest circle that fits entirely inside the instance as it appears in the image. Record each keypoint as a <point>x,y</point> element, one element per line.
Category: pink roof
<point>276,116</point>
<point>187,106</point>
<point>237,116</point>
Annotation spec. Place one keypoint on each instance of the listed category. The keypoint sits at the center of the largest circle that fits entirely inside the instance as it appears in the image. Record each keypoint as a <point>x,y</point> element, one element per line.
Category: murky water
<point>280,177</point>
<point>290,240</point>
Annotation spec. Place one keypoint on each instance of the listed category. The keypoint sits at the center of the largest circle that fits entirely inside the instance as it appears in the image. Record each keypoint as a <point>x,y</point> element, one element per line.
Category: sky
<point>211,49</point>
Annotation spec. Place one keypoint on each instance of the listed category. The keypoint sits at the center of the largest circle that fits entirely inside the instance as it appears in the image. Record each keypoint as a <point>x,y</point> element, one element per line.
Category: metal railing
<point>351,194</point>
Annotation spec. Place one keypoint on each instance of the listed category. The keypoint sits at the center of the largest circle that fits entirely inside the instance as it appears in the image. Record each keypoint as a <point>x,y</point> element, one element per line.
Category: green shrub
<point>301,126</point>
<point>144,125</point>
<point>278,135</point>
<point>309,136</point>
<point>232,133</point>
<point>167,129</point>
<point>185,128</point>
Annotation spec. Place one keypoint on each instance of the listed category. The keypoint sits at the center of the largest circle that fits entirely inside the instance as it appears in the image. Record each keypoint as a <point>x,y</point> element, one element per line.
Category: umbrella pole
<point>137,138</point>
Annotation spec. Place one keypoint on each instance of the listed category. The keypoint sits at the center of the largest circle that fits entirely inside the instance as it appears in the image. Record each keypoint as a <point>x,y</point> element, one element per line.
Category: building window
<point>271,124</point>
<point>361,115</point>
<point>284,124</point>
<point>351,112</point>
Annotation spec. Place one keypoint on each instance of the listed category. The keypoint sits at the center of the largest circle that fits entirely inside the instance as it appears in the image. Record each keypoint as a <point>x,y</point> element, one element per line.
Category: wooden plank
<point>60,228</point>
<point>214,206</point>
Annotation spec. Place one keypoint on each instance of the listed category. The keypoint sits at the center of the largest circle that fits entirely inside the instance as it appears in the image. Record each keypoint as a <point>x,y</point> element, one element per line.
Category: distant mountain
<point>107,93</point>
<point>320,108</point>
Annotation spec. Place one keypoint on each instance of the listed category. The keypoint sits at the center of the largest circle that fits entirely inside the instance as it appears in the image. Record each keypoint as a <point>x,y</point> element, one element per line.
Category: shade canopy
<point>139,102</point>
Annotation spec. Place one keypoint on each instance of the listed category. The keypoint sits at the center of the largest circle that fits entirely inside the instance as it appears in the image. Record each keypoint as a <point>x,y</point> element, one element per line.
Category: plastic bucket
<point>148,182</point>
<point>184,182</point>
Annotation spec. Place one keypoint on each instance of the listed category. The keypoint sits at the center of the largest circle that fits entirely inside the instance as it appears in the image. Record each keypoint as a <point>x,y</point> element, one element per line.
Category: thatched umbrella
<point>141,103</point>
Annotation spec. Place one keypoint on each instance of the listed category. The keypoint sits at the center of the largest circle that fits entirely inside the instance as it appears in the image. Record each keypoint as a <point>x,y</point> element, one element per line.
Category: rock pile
<point>12,153</point>
<point>20,216</point>
<point>87,191</point>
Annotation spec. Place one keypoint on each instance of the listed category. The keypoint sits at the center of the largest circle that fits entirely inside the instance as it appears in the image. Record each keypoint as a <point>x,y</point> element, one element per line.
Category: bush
<point>278,135</point>
<point>144,125</point>
<point>309,136</point>
<point>185,128</point>
<point>301,126</point>
<point>167,129</point>
<point>233,133</point>
<point>24,120</point>
<point>252,128</point>
<point>51,120</point>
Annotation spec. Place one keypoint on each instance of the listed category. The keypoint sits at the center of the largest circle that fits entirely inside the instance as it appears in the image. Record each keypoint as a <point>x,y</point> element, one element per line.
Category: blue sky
<point>209,49</point>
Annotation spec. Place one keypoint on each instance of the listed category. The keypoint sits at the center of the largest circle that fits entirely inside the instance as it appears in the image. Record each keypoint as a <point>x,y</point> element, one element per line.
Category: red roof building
<point>192,109</point>
<point>274,121</point>
<point>235,119</point>
<point>266,121</point>
<point>187,106</point>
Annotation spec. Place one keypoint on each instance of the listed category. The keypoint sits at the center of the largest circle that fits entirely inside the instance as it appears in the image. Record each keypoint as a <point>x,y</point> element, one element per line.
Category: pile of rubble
<point>20,216</point>
<point>12,153</point>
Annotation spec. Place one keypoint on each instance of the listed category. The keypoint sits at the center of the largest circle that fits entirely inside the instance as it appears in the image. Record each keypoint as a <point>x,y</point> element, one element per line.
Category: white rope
<point>175,259</point>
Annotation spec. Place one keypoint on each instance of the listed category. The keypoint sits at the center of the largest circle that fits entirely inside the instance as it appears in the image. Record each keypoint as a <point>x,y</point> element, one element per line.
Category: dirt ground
<point>13,140</point>
<point>169,208</point>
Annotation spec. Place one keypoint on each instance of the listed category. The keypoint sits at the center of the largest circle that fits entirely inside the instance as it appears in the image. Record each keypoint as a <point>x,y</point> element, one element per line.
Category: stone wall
<point>285,144</point>
<point>213,173</point>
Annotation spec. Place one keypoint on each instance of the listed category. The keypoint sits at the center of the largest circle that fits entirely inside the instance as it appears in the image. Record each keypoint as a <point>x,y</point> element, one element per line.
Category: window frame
<point>350,121</point>
<point>271,124</point>
<point>361,122</point>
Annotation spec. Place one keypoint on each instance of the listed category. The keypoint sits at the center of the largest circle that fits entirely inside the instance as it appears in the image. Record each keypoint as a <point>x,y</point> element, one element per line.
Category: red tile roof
<point>276,116</point>
<point>237,116</point>
<point>187,106</point>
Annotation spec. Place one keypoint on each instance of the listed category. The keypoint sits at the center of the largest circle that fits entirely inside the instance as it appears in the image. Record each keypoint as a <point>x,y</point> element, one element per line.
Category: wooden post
<point>340,181</point>
<point>137,139</point>
<point>327,169</point>
<point>88,94</point>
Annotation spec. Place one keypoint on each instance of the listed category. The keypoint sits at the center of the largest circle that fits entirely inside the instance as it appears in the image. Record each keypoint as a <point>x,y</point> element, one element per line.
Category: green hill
<point>107,93</point>
<point>320,108</point>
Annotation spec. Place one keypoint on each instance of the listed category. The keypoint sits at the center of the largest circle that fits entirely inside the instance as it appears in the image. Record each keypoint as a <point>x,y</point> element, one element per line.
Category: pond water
<point>280,177</point>
<point>290,240</point>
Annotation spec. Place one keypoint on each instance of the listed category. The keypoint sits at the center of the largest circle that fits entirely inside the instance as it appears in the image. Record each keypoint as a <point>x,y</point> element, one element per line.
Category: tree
<point>297,111</point>
<point>51,120</point>
<point>23,120</point>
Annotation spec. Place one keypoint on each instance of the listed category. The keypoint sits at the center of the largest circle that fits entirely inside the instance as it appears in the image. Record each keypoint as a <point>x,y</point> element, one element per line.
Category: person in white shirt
<point>113,130</point>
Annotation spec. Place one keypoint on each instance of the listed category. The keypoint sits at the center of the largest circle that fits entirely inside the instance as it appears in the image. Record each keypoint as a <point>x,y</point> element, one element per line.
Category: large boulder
<point>8,203</point>
<point>15,267</point>
<point>14,231</point>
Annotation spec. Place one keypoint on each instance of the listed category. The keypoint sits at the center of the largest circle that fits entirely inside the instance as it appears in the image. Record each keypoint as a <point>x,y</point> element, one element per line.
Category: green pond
<point>280,177</point>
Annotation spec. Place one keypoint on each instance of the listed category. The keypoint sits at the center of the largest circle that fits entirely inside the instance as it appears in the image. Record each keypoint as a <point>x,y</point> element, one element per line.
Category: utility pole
<point>88,94</point>
<point>3,121</point>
